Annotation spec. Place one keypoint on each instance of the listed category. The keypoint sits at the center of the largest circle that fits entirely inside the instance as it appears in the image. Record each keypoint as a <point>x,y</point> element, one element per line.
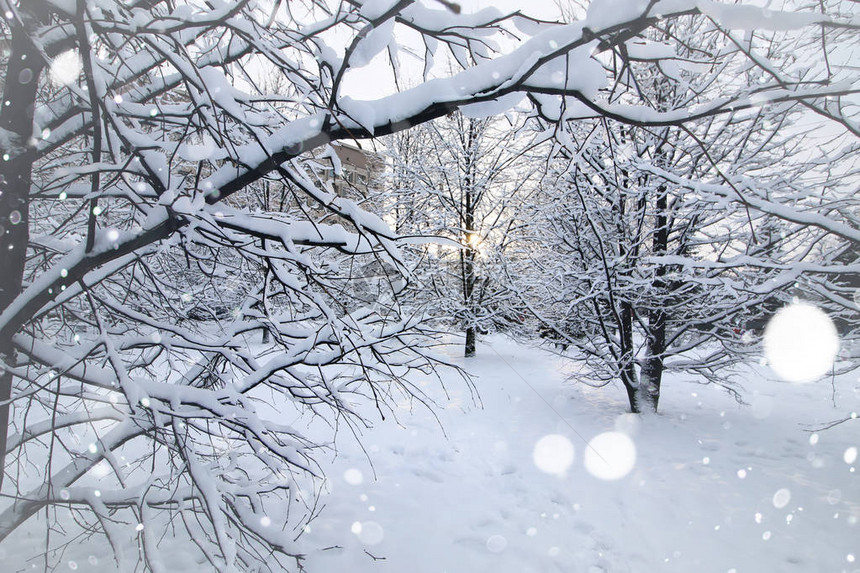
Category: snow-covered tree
<point>135,281</point>
<point>461,180</point>
<point>667,246</point>
<point>621,269</point>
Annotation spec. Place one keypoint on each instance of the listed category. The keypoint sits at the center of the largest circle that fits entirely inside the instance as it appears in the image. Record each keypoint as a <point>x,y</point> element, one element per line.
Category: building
<point>359,168</point>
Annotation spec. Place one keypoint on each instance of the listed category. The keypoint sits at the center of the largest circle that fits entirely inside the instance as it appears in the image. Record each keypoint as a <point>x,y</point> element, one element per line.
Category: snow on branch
<point>184,276</point>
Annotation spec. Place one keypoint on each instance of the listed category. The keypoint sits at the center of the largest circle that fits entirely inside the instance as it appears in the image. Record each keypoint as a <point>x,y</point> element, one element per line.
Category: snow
<point>477,499</point>
<point>353,476</point>
<point>535,475</point>
<point>781,498</point>
<point>362,113</point>
<point>801,343</point>
<point>741,17</point>
<point>493,107</point>
<point>643,49</point>
<point>553,454</point>
<point>438,19</point>
<point>373,9</point>
<point>65,69</point>
<point>374,42</point>
<point>610,455</point>
<point>603,14</point>
<point>707,485</point>
<point>576,71</point>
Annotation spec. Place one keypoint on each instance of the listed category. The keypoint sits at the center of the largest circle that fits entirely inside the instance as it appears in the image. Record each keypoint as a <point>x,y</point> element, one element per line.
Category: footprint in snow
<point>508,469</point>
<point>428,475</point>
<point>583,527</point>
<point>710,446</point>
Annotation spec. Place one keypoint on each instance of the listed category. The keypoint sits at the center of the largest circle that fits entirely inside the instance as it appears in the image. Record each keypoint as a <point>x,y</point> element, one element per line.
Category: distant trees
<point>135,281</point>
<point>461,182</point>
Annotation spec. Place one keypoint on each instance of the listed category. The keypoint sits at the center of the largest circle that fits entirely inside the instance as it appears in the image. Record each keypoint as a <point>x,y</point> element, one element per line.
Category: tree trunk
<point>628,365</point>
<point>652,370</point>
<point>470,341</point>
<point>469,296</point>
<point>632,389</point>
<point>16,118</point>
<point>648,392</point>
<point>469,250</point>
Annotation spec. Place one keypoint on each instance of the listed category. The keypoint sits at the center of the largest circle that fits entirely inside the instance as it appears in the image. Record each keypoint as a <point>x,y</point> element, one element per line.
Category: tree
<point>462,180</point>
<point>628,252</point>
<point>663,244</point>
<point>129,132</point>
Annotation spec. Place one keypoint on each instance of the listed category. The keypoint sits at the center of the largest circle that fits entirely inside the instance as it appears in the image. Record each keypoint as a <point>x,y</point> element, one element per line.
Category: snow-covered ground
<point>712,486</point>
<point>716,486</point>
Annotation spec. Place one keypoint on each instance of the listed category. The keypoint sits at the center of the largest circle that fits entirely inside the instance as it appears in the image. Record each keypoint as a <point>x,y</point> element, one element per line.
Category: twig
<point>374,557</point>
<point>833,424</point>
